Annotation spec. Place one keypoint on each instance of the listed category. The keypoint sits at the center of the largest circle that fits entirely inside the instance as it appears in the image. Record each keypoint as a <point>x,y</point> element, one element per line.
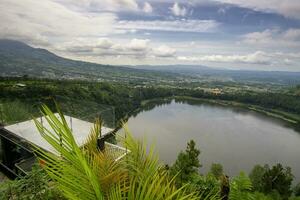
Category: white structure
<point>28,131</point>
<point>20,85</point>
<point>17,140</point>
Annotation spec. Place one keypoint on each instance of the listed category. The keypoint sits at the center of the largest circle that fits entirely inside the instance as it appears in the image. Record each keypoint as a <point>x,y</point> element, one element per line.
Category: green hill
<point>19,59</point>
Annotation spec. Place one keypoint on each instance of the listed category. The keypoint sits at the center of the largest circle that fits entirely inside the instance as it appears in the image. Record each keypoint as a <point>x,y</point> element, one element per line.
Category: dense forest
<point>126,98</point>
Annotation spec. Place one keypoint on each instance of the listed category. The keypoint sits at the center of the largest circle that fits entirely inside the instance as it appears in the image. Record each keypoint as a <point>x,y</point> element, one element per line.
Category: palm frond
<point>241,187</point>
<point>139,162</point>
<point>95,133</point>
<point>71,170</point>
<point>149,180</point>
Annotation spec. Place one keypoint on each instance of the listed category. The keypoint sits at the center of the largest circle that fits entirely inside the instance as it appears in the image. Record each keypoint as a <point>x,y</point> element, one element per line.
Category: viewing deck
<point>17,142</point>
<point>28,131</point>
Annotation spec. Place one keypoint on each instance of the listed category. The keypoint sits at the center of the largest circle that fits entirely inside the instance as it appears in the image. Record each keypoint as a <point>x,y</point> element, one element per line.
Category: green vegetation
<point>124,98</point>
<point>139,175</point>
<point>256,177</point>
<point>262,183</point>
<point>186,171</point>
<point>36,185</point>
<point>19,59</point>
<point>273,180</point>
<point>187,163</point>
<point>128,99</point>
<point>15,111</point>
<point>216,169</point>
<point>125,88</point>
<point>297,190</point>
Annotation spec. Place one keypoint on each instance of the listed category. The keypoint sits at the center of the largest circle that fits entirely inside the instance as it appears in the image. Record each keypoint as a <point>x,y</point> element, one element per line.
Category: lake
<point>234,137</point>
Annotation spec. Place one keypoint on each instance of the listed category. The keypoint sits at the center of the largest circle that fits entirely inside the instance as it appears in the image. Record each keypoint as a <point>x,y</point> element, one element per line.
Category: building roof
<point>28,131</point>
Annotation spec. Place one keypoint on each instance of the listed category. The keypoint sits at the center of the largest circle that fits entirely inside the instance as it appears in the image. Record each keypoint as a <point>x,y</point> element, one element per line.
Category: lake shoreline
<point>234,136</point>
<point>278,114</point>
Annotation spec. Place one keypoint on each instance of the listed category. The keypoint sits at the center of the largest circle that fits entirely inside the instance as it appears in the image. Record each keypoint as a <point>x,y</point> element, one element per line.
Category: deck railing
<point>116,151</point>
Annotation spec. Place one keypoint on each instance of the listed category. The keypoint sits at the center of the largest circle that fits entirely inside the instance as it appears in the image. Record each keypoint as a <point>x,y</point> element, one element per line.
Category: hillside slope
<point>19,59</point>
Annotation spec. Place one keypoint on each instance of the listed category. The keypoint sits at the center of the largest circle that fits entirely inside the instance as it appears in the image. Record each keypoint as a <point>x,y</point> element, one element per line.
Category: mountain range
<point>19,59</point>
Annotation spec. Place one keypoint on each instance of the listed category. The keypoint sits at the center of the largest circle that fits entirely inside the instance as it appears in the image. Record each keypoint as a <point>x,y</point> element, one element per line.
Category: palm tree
<point>87,173</point>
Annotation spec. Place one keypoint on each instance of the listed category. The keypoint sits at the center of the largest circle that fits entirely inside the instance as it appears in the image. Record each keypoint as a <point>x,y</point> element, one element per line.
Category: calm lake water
<point>236,138</point>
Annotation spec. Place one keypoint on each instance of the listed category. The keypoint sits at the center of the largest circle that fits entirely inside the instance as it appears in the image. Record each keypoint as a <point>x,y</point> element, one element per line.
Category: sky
<point>232,34</point>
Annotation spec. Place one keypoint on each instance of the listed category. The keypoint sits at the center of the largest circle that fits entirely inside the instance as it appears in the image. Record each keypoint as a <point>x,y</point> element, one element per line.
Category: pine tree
<point>256,175</point>
<point>187,163</point>
<point>217,170</point>
<point>278,179</point>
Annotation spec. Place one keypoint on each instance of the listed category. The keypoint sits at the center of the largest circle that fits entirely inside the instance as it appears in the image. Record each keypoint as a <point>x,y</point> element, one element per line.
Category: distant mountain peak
<point>18,59</point>
<point>8,43</point>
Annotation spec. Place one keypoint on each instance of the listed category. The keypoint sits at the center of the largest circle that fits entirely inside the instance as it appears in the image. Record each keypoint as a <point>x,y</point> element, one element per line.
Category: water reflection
<point>235,137</point>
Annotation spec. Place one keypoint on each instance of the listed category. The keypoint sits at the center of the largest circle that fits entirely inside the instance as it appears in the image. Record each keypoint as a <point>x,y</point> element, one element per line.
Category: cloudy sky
<point>234,34</point>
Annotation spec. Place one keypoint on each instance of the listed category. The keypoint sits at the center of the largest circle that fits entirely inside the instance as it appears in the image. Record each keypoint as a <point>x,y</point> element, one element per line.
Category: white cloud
<point>287,8</point>
<point>147,8</point>
<point>257,60</point>
<point>104,43</point>
<point>80,29</point>
<point>84,45</point>
<point>78,49</point>
<point>258,57</point>
<point>138,44</point>
<point>176,25</point>
<point>263,37</point>
<point>177,10</point>
<point>273,38</point>
<point>100,5</point>
<point>164,51</point>
<point>292,34</point>
<point>134,48</point>
<point>39,22</point>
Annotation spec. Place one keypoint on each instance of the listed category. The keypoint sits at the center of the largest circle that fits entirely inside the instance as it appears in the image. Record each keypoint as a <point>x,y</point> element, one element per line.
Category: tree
<point>216,169</point>
<point>187,163</point>
<point>273,181</point>
<point>278,179</point>
<point>193,154</point>
<point>297,190</point>
<point>207,186</point>
<point>256,176</point>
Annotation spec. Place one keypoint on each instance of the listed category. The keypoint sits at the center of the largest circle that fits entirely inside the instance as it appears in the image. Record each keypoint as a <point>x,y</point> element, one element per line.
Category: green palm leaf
<point>71,171</point>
